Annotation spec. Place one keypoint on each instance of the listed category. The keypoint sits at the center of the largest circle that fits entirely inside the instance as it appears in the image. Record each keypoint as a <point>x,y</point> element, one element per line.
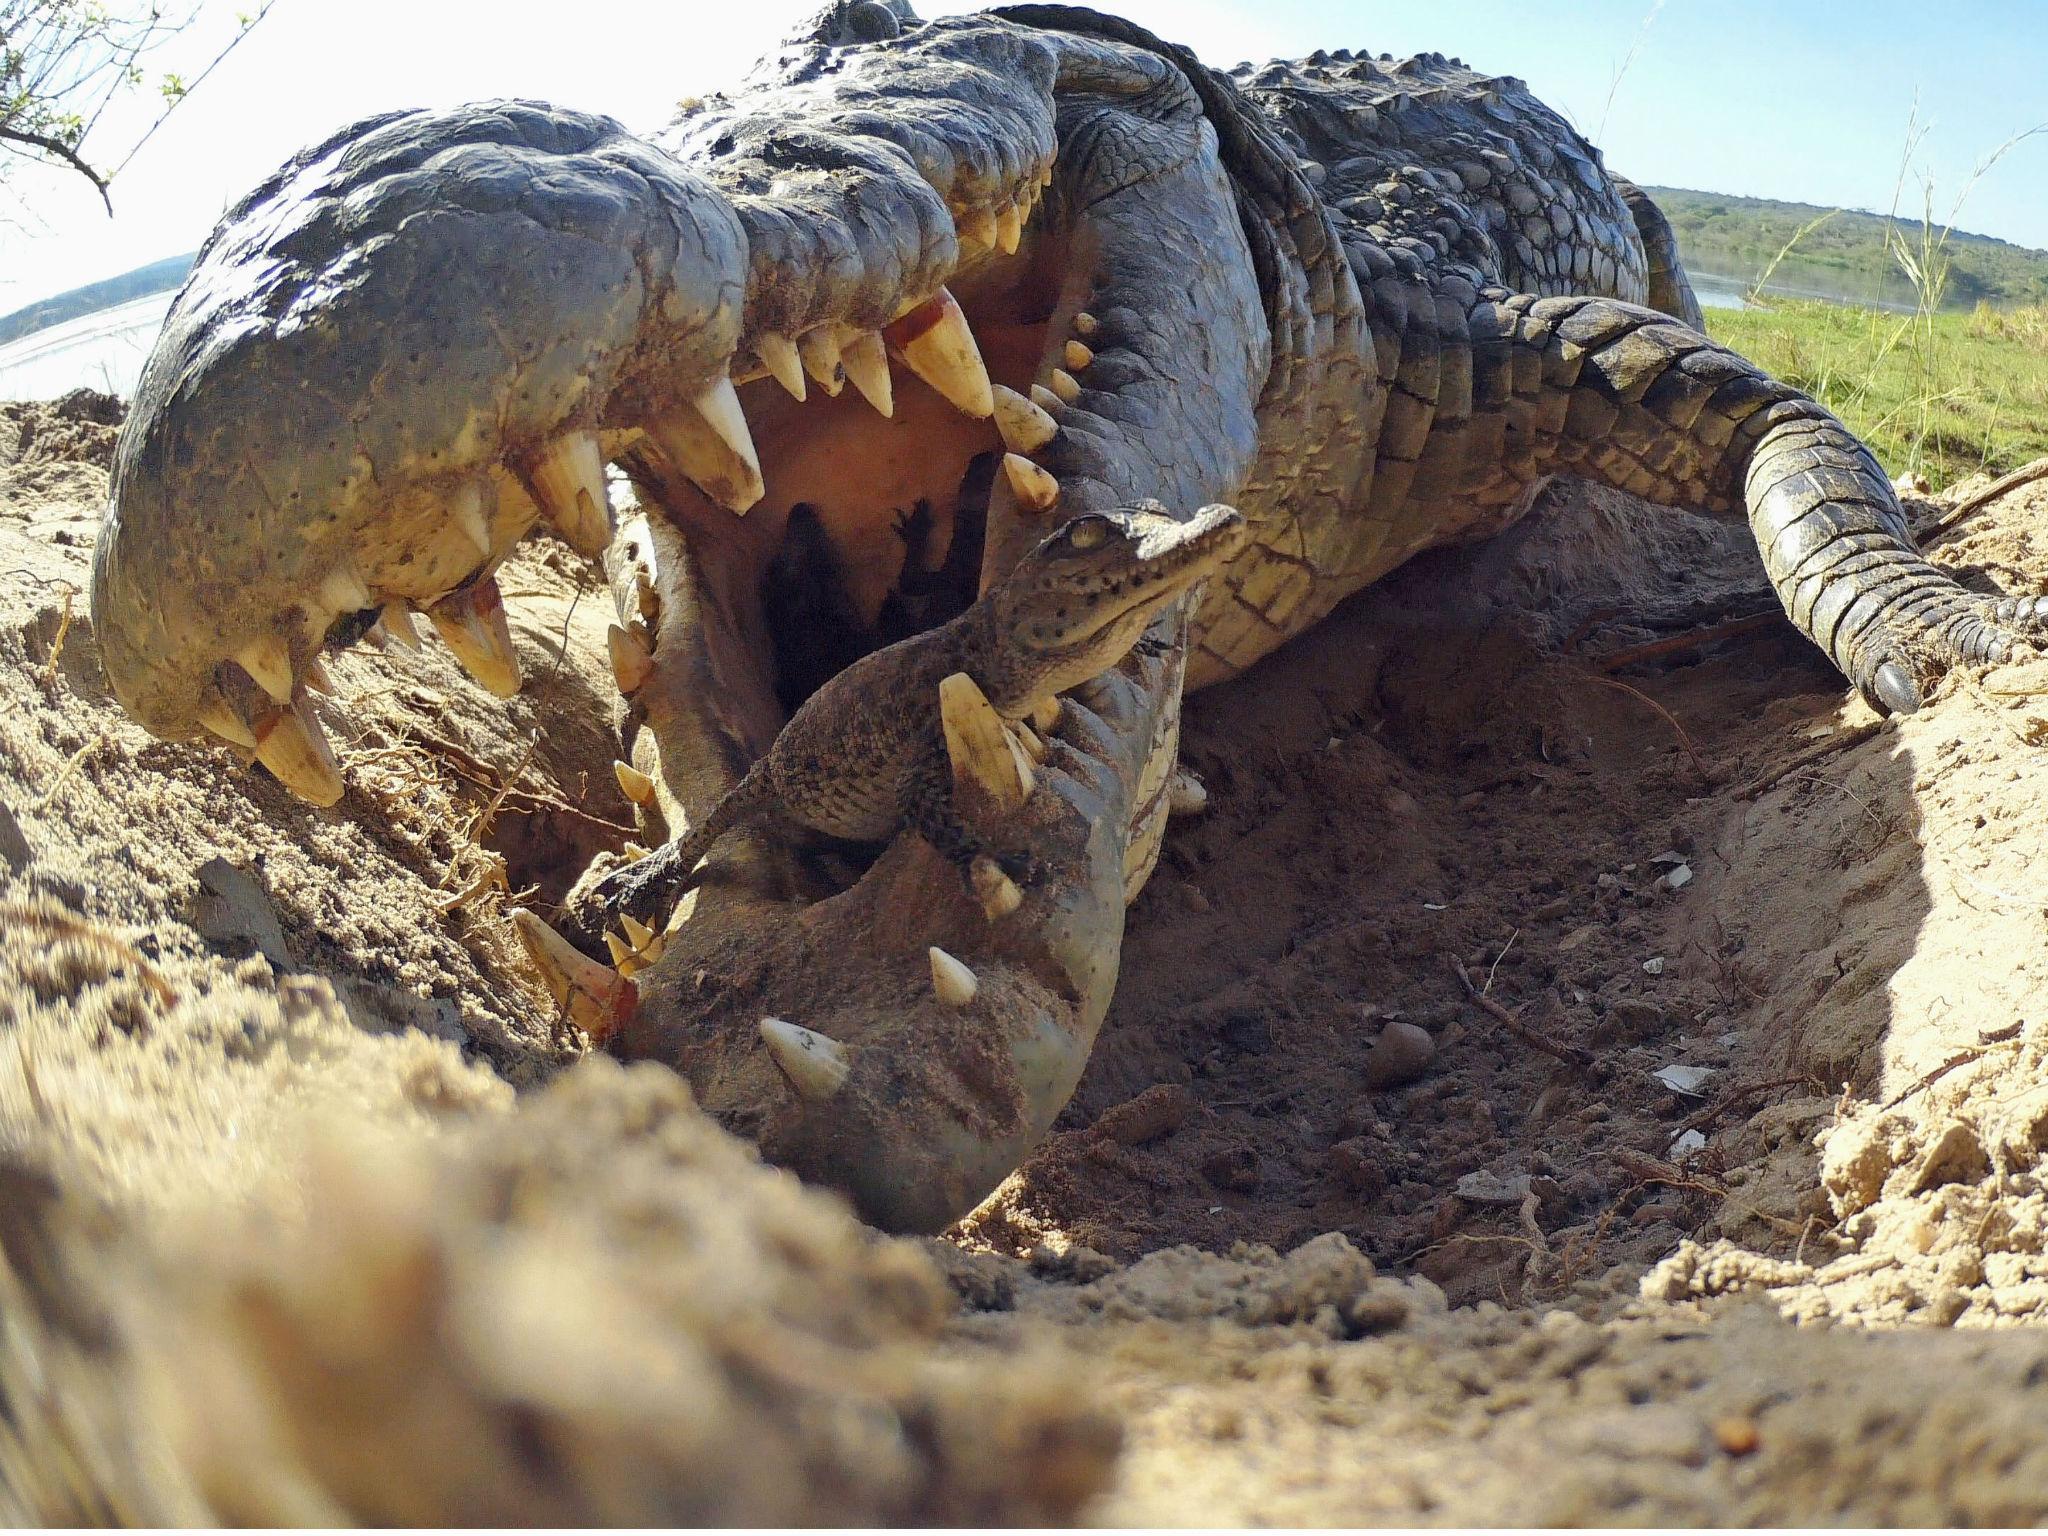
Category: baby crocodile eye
<point>1088,533</point>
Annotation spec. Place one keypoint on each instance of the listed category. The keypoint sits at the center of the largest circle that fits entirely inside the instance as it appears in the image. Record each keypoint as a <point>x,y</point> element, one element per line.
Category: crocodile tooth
<point>1186,796</point>
<point>633,784</point>
<point>472,624</point>
<point>1029,740</point>
<point>867,363</point>
<point>1065,385</point>
<point>778,355</point>
<point>1009,228</point>
<point>1025,427</point>
<point>218,717</point>
<point>269,661</point>
<point>466,511</point>
<point>1085,324</point>
<point>1078,354</point>
<point>938,345</point>
<point>996,891</point>
<point>631,660</point>
<point>952,982</point>
<point>1045,714</point>
<point>981,749</point>
<point>568,482</point>
<point>1036,490</point>
<point>708,440</point>
<point>1045,399</point>
<point>343,590</point>
<point>819,348</point>
<point>594,996</point>
<point>621,951</point>
<point>318,679</point>
<point>638,934</point>
<point>397,623</point>
<point>292,746</point>
<point>816,1065</point>
<point>979,227</point>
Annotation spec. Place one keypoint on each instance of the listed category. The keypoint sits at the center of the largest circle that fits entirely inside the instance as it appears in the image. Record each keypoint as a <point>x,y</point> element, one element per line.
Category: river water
<point>103,351</point>
<point>106,351</point>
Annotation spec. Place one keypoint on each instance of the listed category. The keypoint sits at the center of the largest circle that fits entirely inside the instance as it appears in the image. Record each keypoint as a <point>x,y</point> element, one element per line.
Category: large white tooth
<point>1036,490</point>
<point>1085,324</point>
<point>638,934</point>
<point>819,348</point>
<point>631,660</point>
<point>269,660</point>
<point>229,726</point>
<point>816,1065</point>
<point>568,482</point>
<point>318,679</point>
<point>466,511</point>
<point>1066,386</point>
<point>1186,796</point>
<point>1025,427</point>
<point>867,364</point>
<point>1045,399</point>
<point>778,355</point>
<point>294,748</point>
<point>1009,228</point>
<point>997,892</point>
<point>952,982</point>
<point>937,344</point>
<point>1029,740</point>
<point>1078,354</point>
<point>343,590</point>
<point>621,952</point>
<point>708,440</point>
<point>977,227</point>
<point>472,624</point>
<point>1045,714</point>
<point>397,623</point>
<point>633,784</point>
<point>981,749</point>
<point>593,995</point>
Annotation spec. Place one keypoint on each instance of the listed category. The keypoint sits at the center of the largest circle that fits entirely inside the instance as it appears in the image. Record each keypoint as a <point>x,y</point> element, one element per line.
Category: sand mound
<point>1541,1032</point>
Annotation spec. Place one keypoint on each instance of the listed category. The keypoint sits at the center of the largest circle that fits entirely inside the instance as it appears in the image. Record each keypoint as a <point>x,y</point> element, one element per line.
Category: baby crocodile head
<point>1078,602</point>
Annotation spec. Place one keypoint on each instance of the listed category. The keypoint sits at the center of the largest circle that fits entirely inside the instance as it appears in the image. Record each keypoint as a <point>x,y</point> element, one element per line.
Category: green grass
<point>1852,250</point>
<point>1943,394</point>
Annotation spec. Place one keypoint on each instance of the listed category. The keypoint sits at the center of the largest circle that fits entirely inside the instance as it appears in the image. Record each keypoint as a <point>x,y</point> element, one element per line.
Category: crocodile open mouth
<point>854,366</point>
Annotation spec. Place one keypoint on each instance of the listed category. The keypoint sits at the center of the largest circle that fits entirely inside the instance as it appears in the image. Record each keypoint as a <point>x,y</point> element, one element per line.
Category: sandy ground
<point>1547,1086</point>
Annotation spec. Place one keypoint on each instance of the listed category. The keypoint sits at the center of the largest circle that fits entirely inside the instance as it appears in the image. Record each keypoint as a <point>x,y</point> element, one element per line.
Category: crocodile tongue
<point>829,1030</point>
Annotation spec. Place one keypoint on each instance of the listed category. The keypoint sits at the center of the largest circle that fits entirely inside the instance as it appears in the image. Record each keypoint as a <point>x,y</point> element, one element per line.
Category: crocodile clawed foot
<point>1959,628</point>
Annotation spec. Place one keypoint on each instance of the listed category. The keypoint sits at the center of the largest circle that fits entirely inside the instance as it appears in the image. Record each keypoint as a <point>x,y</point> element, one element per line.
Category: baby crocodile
<point>867,754</point>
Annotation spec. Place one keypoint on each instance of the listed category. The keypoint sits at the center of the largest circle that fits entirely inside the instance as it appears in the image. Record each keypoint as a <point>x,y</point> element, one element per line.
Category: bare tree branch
<point>63,152</point>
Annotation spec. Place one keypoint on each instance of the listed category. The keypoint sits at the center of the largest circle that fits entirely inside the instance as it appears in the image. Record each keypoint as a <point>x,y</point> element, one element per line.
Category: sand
<point>1372,1206</point>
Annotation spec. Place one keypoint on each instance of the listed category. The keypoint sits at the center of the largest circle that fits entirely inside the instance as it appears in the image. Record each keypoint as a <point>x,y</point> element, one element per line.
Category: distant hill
<point>154,278</point>
<point>1737,236</point>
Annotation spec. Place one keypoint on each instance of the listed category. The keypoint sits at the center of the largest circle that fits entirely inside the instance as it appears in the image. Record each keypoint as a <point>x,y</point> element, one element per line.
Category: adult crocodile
<point>1371,304</point>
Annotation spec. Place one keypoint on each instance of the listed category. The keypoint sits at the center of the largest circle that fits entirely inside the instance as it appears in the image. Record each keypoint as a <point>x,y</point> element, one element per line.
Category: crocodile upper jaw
<point>428,334</point>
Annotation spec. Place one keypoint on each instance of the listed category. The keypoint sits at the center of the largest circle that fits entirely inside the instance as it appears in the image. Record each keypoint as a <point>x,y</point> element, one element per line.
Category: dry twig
<point>1576,1056</point>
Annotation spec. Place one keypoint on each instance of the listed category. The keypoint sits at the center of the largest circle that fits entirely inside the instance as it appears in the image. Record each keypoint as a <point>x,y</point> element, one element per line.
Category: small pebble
<point>1402,1053</point>
<point>1737,1434</point>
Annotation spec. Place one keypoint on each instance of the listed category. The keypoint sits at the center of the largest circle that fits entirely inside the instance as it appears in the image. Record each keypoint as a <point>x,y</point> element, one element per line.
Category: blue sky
<point>1802,101</point>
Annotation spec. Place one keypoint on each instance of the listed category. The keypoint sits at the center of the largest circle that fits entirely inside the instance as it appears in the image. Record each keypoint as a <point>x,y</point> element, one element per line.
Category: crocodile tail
<point>750,800</point>
<point>1670,289</point>
<point>1489,393</point>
